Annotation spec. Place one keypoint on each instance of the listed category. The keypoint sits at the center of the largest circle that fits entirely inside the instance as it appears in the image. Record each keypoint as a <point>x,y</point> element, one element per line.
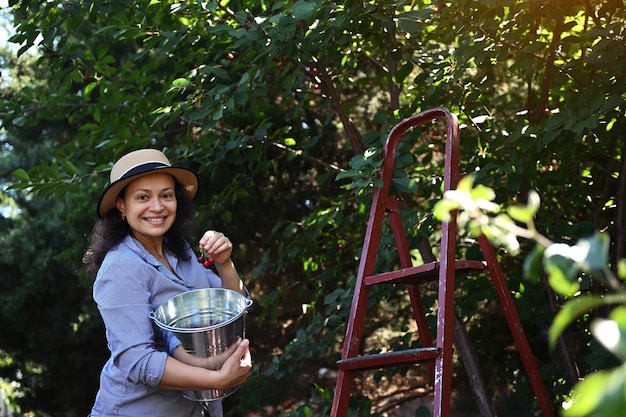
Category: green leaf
<point>621,269</point>
<point>612,332</point>
<point>403,72</point>
<point>526,214</point>
<point>334,296</point>
<point>562,269</point>
<point>564,262</point>
<point>405,185</point>
<point>20,121</point>
<point>199,114</point>
<point>70,168</point>
<point>302,10</point>
<point>21,175</point>
<point>77,76</point>
<point>609,334</point>
<point>534,201</point>
<point>89,88</point>
<point>597,249</point>
<point>181,83</point>
<point>576,308</point>
<point>466,184</point>
<point>481,192</point>
<point>522,214</point>
<point>533,262</point>
<point>443,208</point>
<point>600,394</point>
<point>349,173</point>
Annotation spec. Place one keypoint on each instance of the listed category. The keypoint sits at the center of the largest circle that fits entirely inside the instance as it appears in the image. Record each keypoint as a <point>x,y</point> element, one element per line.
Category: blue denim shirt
<point>130,284</point>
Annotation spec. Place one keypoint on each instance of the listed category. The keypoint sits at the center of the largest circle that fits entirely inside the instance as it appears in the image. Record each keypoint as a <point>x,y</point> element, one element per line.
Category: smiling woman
<point>141,257</point>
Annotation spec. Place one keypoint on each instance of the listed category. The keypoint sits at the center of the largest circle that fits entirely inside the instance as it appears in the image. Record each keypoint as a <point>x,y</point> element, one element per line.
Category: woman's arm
<point>184,377</point>
<point>213,362</point>
<point>230,277</point>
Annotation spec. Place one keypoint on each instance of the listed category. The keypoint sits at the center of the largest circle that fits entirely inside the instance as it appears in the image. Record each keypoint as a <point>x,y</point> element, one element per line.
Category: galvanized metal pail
<point>207,322</point>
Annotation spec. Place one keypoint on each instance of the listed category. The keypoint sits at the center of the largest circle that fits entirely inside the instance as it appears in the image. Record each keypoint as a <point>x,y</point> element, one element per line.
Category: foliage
<point>283,108</point>
<point>601,393</point>
<point>45,302</point>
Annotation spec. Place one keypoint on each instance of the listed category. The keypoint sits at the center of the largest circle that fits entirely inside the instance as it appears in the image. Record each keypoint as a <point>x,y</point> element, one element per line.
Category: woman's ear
<point>119,203</point>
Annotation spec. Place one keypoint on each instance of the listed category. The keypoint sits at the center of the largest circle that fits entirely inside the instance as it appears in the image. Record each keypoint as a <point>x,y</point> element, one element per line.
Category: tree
<point>45,299</point>
<point>270,101</point>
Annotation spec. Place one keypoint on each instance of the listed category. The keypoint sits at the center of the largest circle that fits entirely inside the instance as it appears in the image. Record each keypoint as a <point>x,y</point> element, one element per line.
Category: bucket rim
<point>165,326</point>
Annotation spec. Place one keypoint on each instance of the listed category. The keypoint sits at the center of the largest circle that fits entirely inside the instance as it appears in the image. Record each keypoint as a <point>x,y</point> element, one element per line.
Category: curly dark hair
<point>111,229</point>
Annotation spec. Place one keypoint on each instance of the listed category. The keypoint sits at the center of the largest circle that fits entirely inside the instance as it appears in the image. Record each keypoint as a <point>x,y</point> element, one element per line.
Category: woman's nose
<point>157,205</point>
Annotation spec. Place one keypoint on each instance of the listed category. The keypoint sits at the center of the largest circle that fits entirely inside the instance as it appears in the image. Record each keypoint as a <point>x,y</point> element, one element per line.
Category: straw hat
<point>136,164</point>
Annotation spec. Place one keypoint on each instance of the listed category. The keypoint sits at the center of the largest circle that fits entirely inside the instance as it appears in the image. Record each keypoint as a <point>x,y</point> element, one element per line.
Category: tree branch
<point>328,88</point>
<point>542,103</point>
<point>287,150</point>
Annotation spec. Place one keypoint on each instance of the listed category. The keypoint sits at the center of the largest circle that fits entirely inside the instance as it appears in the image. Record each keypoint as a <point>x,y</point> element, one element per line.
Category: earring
<point>123,217</point>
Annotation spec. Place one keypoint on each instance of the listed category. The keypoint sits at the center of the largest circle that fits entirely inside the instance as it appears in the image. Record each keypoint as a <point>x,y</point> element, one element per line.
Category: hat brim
<point>184,176</point>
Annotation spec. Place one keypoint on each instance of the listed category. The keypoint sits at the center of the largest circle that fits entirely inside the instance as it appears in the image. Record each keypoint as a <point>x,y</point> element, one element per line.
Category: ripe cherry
<point>206,262</point>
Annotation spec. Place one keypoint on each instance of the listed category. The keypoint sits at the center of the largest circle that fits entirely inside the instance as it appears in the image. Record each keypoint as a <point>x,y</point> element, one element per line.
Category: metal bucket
<point>207,322</point>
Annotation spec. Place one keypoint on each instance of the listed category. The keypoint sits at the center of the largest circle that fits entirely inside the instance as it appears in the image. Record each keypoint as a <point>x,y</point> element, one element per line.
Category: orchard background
<point>283,108</point>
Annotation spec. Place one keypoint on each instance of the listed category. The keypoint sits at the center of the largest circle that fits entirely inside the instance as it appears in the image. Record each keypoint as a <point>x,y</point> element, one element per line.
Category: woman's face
<point>149,205</point>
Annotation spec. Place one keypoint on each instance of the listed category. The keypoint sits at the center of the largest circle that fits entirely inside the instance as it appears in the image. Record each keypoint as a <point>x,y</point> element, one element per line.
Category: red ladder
<point>437,355</point>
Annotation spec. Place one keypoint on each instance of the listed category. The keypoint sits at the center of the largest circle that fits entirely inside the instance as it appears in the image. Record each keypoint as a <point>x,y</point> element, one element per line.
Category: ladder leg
<point>515,324</point>
<point>445,321</point>
<point>351,349</point>
<point>341,399</point>
<point>358,309</point>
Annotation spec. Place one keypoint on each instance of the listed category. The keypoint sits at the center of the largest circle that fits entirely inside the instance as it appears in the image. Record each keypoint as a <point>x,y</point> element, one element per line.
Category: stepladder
<point>440,265</point>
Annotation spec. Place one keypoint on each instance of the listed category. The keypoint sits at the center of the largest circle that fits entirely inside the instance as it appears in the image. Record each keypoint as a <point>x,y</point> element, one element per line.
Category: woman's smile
<point>155,220</point>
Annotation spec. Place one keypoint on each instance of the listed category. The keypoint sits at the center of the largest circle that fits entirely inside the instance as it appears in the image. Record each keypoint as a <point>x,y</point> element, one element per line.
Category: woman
<point>141,257</point>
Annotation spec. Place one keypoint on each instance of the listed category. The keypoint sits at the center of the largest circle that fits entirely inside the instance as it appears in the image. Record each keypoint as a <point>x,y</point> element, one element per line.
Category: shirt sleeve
<point>171,341</point>
<point>122,292</point>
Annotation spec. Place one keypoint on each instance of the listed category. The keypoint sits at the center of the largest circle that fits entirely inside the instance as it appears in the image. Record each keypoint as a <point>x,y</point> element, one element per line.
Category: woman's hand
<point>213,362</point>
<point>216,246</point>
<point>219,247</point>
<point>192,375</point>
<point>237,367</point>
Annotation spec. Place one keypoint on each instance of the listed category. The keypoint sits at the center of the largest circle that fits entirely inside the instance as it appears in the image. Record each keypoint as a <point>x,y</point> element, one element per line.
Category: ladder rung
<point>422,273</point>
<point>388,359</point>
